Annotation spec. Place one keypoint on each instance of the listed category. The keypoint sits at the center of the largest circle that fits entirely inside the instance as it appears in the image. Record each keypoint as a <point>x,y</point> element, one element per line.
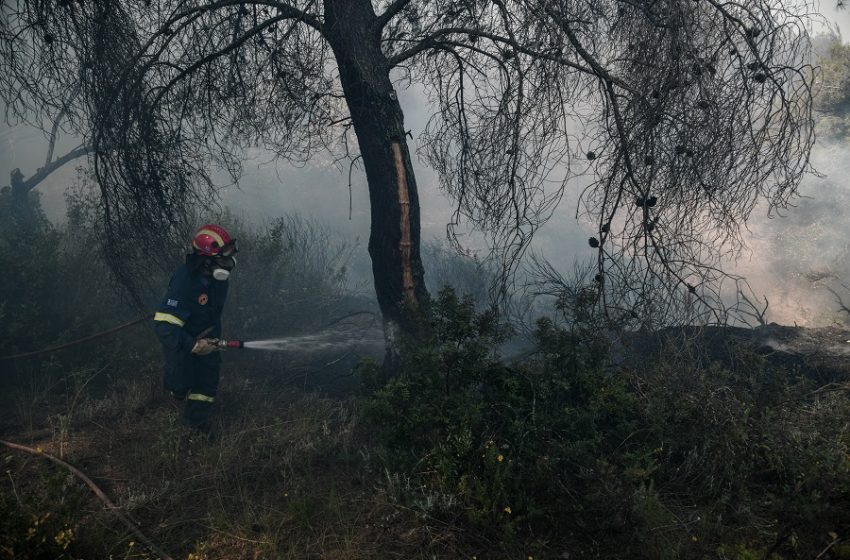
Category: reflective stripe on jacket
<point>192,304</point>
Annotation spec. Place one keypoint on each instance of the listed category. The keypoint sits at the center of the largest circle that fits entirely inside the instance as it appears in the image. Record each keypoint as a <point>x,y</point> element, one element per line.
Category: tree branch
<point>111,507</point>
<point>390,13</point>
<point>432,41</point>
<point>44,172</point>
<point>285,9</point>
<point>217,54</point>
<point>287,12</point>
<point>58,121</point>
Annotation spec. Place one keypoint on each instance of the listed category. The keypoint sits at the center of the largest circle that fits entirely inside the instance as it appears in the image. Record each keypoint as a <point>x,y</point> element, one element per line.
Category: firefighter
<point>188,323</point>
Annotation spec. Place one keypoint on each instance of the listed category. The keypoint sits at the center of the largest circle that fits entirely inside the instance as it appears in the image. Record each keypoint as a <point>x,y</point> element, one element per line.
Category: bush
<point>510,443</point>
<point>664,460</point>
<point>34,518</point>
<point>755,456</point>
<point>292,276</point>
<point>54,286</point>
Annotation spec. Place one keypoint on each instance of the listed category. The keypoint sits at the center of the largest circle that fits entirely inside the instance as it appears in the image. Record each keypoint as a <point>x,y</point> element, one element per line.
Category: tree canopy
<point>684,113</point>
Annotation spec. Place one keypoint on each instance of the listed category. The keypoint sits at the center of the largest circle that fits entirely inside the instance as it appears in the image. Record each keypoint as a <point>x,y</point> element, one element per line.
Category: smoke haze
<point>793,260</point>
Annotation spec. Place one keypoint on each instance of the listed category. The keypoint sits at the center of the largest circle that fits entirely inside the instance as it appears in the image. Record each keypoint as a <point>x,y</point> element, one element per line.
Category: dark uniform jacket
<point>192,305</point>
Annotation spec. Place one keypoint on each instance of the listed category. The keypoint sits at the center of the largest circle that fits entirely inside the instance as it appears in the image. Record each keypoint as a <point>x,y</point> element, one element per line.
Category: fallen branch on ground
<point>98,492</point>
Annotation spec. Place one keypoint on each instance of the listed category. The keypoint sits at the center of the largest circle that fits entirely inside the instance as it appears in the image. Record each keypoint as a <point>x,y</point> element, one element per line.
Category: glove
<point>205,346</point>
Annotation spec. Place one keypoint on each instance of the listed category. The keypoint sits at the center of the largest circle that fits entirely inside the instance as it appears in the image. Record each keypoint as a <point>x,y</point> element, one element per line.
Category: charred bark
<point>352,31</point>
<point>22,208</point>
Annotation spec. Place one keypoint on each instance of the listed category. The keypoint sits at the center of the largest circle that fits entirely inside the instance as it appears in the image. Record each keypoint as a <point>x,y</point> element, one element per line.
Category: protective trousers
<point>195,379</point>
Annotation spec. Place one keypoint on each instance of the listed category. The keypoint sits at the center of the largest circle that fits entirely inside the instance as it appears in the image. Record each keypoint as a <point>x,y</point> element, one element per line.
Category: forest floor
<point>819,353</point>
<point>288,473</point>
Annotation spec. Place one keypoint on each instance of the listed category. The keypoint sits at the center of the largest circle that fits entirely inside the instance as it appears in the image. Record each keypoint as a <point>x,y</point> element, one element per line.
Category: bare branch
<point>53,165</point>
<point>57,122</point>
<point>388,14</point>
<point>433,40</point>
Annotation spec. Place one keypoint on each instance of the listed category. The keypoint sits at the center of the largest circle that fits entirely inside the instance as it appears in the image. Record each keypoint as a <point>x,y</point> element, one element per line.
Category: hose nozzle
<point>231,344</point>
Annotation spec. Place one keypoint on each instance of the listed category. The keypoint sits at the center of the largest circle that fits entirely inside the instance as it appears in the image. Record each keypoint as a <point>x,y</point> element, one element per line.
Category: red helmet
<point>213,241</point>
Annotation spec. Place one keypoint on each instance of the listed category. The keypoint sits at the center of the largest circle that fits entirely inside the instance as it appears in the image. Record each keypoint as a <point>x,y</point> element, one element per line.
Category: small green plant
<point>37,515</point>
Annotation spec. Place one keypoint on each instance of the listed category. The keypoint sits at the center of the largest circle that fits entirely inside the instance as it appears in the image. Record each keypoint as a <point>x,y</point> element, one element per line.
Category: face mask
<point>222,270</point>
<point>221,274</point>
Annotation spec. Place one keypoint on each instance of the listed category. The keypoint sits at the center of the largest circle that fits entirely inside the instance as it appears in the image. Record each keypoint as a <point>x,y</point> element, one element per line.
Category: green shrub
<point>663,459</point>
<point>512,443</point>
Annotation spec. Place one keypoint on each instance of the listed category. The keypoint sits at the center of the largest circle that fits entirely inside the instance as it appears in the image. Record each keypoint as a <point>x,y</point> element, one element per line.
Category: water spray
<point>324,341</point>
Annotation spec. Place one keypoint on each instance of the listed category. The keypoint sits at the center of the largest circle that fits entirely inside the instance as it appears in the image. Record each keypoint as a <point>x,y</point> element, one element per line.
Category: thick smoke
<point>799,259</point>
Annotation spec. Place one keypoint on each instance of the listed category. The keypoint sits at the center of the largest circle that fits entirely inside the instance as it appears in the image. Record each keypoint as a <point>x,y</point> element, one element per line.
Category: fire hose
<point>107,332</point>
<point>220,343</point>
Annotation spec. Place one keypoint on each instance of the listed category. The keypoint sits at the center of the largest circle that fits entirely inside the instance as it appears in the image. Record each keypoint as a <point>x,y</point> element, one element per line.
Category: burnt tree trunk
<point>364,71</point>
<point>23,210</point>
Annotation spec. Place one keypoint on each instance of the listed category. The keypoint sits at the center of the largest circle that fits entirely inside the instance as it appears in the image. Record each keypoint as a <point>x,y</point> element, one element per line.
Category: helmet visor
<point>227,263</point>
<point>229,249</point>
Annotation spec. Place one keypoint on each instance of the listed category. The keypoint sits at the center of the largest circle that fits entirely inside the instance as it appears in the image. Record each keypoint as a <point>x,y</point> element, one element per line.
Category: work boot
<point>197,413</point>
<point>198,425</point>
<point>202,432</point>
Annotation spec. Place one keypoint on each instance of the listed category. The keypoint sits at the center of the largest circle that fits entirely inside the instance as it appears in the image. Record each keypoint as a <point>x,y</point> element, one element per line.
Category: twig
<point>350,199</point>
<point>838,298</point>
<point>14,489</point>
<point>237,537</point>
<point>98,492</point>
<point>825,550</point>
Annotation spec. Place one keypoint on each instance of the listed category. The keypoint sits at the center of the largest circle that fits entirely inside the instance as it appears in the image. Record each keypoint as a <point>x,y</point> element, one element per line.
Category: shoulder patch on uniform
<point>203,299</point>
<point>172,303</point>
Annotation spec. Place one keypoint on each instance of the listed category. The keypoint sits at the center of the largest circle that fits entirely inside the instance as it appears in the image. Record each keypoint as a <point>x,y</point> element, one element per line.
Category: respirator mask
<point>222,267</point>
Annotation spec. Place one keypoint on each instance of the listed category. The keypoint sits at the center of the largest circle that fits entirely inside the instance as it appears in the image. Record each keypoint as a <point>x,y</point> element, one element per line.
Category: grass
<point>287,475</point>
<point>740,457</point>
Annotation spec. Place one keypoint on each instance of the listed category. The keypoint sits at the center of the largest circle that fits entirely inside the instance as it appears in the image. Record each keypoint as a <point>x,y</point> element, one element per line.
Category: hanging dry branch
<point>686,113</point>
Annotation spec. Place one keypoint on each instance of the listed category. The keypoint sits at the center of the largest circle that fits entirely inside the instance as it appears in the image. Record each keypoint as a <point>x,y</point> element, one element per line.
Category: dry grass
<point>287,475</point>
